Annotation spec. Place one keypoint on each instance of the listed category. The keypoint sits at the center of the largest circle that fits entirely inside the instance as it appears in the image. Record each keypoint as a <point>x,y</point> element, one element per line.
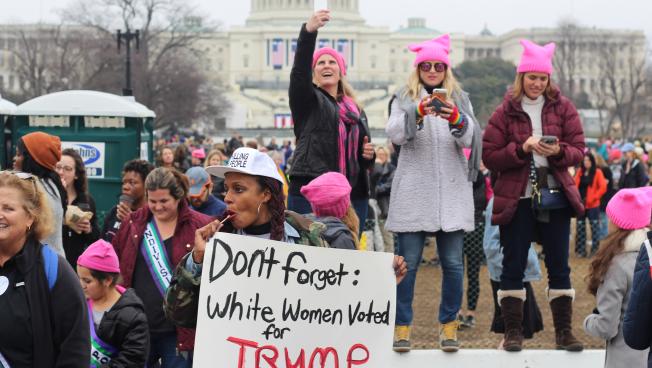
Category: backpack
<point>50,265</point>
<point>310,232</point>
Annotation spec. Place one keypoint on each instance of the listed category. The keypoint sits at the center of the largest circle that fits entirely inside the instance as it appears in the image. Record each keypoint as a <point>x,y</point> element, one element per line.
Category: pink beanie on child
<point>436,49</point>
<point>329,51</point>
<point>630,209</point>
<point>100,256</point>
<point>536,58</point>
<point>328,194</point>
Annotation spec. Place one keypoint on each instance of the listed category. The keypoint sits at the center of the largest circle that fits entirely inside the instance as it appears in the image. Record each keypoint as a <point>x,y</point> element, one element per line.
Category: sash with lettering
<point>3,362</point>
<point>648,248</point>
<point>101,352</point>
<point>153,251</point>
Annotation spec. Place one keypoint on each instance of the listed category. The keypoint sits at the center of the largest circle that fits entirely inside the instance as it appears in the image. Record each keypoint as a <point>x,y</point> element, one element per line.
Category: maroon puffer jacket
<point>502,151</point>
<point>130,236</point>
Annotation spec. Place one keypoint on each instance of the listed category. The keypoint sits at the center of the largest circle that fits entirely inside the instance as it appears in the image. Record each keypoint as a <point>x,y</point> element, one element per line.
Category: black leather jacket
<point>316,118</point>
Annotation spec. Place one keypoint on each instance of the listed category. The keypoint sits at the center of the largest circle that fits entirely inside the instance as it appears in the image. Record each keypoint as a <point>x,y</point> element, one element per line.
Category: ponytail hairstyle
<point>32,167</point>
<point>275,206</point>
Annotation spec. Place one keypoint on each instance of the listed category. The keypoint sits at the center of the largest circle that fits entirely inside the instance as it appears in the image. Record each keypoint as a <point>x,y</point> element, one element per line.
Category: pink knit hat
<point>327,50</point>
<point>536,58</point>
<point>100,256</point>
<point>630,209</point>
<point>328,194</point>
<point>435,49</point>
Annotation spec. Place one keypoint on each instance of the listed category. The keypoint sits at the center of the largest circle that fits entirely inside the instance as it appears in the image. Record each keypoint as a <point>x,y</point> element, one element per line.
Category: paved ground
<point>428,288</point>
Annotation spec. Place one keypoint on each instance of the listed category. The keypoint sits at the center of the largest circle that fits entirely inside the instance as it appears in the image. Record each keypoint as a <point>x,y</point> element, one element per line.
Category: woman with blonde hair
<point>329,124</point>
<point>44,319</point>
<point>433,167</point>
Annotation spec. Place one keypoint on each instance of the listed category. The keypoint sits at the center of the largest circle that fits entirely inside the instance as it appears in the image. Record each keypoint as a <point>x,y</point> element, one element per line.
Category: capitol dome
<point>293,12</point>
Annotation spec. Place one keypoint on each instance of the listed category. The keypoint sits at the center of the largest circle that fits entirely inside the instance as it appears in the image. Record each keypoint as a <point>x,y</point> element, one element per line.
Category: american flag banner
<point>278,53</point>
<point>283,121</point>
<point>344,48</point>
<point>293,49</point>
<point>323,42</point>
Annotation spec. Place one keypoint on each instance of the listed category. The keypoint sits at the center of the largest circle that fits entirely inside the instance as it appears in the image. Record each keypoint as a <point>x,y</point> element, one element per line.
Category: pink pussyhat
<point>332,52</point>
<point>100,256</point>
<point>535,58</point>
<point>328,194</point>
<point>630,209</point>
<point>436,49</point>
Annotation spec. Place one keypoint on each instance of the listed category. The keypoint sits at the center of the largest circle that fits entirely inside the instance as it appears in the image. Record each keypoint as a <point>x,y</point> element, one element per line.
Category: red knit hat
<point>328,194</point>
<point>45,149</point>
<point>630,209</point>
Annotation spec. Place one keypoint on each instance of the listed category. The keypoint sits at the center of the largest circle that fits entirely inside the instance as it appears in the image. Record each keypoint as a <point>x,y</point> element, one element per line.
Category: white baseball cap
<point>248,161</point>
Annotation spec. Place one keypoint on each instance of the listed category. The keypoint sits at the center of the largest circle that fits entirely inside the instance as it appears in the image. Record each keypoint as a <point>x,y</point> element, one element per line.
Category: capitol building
<point>255,59</point>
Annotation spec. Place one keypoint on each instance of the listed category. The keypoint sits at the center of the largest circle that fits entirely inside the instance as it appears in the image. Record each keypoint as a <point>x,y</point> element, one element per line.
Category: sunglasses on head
<point>22,175</point>
<point>427,66</point>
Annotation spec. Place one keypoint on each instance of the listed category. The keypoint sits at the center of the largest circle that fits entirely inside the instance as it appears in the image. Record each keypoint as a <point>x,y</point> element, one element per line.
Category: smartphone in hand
<point>549,139</point>
<point>321,5</point>
<point>438,103</point>
<point>441,93</point>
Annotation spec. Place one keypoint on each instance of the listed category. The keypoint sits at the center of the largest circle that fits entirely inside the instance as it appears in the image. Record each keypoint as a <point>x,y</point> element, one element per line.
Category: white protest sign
<point>275,305</point>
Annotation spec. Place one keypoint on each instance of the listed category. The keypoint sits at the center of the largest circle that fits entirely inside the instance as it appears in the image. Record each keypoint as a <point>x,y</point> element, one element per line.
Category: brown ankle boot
<point>511,305</point>
<point>561,304</point>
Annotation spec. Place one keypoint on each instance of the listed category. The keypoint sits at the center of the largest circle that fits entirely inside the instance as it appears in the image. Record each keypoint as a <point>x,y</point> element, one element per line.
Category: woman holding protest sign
<point>164,229</point>
<point>431,132</point>
<point>255,207</point>
<point>329,124</point>
<point>531,140</point>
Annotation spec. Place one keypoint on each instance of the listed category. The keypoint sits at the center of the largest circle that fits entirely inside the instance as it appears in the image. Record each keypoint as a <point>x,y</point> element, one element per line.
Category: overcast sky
<point>466,16</point>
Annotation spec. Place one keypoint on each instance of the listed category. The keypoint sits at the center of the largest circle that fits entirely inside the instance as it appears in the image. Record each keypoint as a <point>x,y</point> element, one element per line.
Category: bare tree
<point>166,72</point>
<point>567,54</point>
<point>623,70</point>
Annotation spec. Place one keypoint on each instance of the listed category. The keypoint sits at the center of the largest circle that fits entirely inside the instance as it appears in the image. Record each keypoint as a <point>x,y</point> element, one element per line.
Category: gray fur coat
<point>431,190</point>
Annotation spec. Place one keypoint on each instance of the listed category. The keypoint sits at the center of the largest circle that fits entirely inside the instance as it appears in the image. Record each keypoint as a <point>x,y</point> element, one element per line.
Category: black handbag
<point>545,198</point>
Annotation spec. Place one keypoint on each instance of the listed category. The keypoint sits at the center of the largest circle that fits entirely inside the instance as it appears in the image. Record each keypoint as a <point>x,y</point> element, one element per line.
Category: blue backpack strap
<point>50,264</point>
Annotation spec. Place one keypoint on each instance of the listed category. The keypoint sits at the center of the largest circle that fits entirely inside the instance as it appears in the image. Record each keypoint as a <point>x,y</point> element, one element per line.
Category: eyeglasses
<point>60,167</point>
<point>427,66</point>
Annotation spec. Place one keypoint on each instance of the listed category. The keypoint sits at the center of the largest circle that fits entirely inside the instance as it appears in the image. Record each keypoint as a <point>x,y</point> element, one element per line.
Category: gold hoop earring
<point>258,210</point>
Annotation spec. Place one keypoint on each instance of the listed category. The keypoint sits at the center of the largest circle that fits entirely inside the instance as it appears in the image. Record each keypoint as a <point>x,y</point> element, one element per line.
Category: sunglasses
<point>22,175</point>
<point>427,66</point>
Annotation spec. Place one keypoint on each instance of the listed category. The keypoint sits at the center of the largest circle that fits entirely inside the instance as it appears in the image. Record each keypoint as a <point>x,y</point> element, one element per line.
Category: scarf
<point>349,136</point>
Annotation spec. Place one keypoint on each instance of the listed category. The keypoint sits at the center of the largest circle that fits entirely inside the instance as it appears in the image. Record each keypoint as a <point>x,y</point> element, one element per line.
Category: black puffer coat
<point>125,327</point>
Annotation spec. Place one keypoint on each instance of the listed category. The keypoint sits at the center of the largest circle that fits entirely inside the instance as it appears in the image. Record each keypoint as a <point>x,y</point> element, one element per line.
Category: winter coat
<point>316,124</point>
<point>74,244</point>
<point>494,252</point>
<point>637,325</point>
<point>431,190</point>
<point>612,299</point>
<point>509,127</point>
<point>595,191</point>
<point>129,238</point>
<point>611,187</point>
<point>381,186</point>
<point>635,178</point>
<point>124,327</point>
<point>55,240</point>
<point>59,318</point>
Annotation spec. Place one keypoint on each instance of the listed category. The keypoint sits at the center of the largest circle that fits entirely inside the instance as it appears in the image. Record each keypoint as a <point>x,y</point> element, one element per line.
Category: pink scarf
<point>348,141</point>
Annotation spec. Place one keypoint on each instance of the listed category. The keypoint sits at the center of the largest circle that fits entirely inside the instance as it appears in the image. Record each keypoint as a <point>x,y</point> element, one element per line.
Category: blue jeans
<point>361,207</point>
<point>163,347</point>
<point>451,255</point>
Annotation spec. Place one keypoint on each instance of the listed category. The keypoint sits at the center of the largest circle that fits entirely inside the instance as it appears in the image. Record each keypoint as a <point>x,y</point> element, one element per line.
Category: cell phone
<point>438,103</point>
<point>441,93</point>
<point>321,4</point>
<point>549,139</point>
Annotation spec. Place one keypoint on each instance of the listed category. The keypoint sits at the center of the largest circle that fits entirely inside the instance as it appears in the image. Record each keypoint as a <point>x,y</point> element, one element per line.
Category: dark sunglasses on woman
<point>427,66</point>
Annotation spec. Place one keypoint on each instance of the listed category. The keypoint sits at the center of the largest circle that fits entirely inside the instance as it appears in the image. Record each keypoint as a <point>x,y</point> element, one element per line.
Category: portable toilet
<point>106,129</point>
<point>6,111</point>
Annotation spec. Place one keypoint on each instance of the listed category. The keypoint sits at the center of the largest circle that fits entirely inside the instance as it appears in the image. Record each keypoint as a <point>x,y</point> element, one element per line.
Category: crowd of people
<point>485,196</point>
